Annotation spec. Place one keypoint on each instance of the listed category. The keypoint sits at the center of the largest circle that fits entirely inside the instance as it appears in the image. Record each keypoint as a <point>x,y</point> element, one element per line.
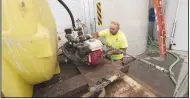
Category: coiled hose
<point>170,68</point>
<point>171,74</point>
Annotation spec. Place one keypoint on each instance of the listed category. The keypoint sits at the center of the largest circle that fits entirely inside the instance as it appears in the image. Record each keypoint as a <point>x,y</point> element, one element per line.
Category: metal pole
<point>174,26</point>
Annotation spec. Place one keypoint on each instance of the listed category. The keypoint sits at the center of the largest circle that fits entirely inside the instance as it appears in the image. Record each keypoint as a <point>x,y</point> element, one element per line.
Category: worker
<point>114,38</point>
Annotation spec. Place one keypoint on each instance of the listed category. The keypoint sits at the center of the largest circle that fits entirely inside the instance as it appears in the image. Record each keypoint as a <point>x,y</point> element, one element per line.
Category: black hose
<point>68,10</point>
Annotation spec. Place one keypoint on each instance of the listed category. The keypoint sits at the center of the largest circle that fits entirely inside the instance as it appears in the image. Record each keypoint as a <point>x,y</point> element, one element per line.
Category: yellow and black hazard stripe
<point>99,13</point>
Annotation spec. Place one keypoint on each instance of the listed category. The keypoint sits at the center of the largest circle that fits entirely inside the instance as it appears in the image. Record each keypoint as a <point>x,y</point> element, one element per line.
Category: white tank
<point>133,18</point>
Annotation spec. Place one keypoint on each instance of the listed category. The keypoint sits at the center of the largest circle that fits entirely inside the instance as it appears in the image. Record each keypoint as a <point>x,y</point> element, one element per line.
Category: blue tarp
<point>151,15</point>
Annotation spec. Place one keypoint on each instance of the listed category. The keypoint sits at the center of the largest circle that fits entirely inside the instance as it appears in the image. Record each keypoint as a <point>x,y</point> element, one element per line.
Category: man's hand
<point>95,35</point>
<point>112,52</point>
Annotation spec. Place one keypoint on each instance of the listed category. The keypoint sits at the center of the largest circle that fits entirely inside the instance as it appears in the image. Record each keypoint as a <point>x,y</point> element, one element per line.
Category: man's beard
<point>113,33</point>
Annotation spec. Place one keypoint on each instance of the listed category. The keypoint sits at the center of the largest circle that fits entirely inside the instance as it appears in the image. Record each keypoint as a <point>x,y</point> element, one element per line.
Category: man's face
<point>114,29</point>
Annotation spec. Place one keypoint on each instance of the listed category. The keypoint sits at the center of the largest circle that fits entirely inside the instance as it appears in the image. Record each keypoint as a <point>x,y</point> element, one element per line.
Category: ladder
<point>161,31</point>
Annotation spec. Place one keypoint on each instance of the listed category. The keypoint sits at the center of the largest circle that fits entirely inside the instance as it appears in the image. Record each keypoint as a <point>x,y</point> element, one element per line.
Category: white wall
<point>133,18</point>
<point>62,17</point>
<point>132,15</point>
<point>90,14</point>
<point>82,9</point>
<point>181,35</point>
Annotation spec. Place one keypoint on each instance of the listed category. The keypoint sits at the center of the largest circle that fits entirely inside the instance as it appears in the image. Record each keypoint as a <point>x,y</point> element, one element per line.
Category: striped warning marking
<point>99,13</point>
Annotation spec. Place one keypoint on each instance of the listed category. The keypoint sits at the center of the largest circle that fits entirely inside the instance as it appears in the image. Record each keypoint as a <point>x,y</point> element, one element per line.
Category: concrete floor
<point>61,84</point>
<point>158,81</point>
<point>67,71</point>
<point>128,87</point>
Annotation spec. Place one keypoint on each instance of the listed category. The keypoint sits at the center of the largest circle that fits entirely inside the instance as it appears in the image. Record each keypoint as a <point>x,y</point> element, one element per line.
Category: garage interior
<point>143,72</point>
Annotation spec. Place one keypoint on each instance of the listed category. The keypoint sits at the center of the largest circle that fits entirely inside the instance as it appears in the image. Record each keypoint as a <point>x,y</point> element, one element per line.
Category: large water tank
<point>133,18</point>
<point>29,45</point>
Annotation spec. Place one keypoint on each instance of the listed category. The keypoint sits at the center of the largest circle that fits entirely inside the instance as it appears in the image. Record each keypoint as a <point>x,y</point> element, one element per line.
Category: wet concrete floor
<point>156,80</point>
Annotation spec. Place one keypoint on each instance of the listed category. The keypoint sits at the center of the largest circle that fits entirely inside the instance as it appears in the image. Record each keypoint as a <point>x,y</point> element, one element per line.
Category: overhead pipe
<point>174,26</point>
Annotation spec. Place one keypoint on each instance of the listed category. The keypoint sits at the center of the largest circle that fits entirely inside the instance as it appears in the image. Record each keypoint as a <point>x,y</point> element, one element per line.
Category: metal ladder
<point>161,31</point>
